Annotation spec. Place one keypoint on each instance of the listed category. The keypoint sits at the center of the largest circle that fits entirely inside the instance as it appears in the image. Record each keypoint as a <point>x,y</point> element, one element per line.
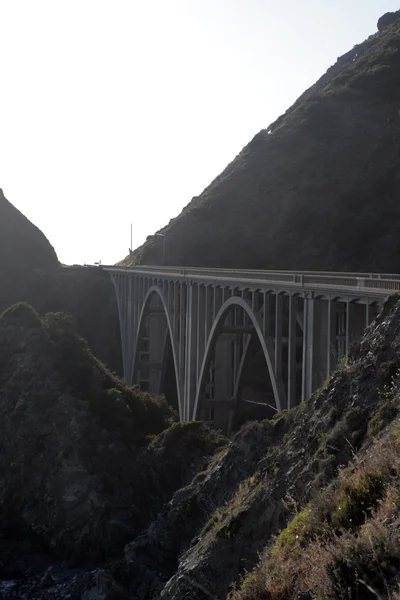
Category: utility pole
<point>130,247</point>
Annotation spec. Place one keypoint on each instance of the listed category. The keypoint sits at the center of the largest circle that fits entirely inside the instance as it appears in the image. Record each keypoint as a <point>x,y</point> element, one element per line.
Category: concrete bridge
<point>206,320</point>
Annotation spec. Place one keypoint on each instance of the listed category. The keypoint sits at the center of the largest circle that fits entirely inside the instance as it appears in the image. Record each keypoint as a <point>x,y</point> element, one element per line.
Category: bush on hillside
<point>21,314</point>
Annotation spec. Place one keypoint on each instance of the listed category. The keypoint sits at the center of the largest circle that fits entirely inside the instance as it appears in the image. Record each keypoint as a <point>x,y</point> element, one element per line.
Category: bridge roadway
<point>206,323</point>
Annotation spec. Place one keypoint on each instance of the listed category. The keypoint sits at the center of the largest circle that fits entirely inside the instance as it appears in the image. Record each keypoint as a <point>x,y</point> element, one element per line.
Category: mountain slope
<point>317,190</point>
<point>30,272</point>
<point>85,462</point>
<point>22,245</point>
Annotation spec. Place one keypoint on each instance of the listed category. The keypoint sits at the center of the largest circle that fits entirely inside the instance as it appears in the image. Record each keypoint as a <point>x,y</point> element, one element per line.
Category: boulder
<point>387,19</point>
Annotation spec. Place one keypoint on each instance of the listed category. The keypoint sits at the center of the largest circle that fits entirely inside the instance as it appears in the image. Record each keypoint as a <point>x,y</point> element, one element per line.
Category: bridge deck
<point>376,285</point>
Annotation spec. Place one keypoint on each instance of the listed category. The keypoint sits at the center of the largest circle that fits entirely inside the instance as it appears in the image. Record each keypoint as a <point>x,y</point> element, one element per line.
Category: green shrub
<point>364,566</point>
<point>21,314</point>
<point>297,531</point>
<point>357,500</point>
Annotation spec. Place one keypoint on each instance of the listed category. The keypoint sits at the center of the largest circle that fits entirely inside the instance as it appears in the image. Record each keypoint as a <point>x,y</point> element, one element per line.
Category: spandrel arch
<point>144,313</point>
<point>265,342</point>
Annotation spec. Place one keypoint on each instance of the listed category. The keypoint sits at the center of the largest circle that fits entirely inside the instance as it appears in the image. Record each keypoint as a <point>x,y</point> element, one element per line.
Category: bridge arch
<point>266,345</point>
<point>144,312</point>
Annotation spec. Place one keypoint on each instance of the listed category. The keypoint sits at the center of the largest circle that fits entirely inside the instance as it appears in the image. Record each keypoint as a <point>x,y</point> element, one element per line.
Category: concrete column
<point>317,337</point>
<point>116,279</point>
<point>124,328</point>
<point>130,332</point>
<point>292,346</point>
<point>331,358</point>
<point>278,337</point>
<point>224,380</point>
<point>357,314</point>
<point>157,331</point>
<point>175,308</point>
<point>317,344</point>
<point>181,336</point>
<point>347,325</point>
<point>190,351</point>
<point>305,387</point>
<point>151,347</point>
<point>201,339</point>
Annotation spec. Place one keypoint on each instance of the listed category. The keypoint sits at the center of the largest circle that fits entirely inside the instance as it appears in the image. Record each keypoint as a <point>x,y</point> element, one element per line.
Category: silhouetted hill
<point>30,272</point>
<point>22,245</point>
<point>317,189</point>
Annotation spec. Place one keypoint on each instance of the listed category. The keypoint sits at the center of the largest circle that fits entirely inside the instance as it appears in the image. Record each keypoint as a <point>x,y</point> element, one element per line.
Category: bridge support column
<point>316,341</point>
<point>151,349</point>
<point>308,346</point>
<point>223,383</point>
<point>292,348</point>
<point>191,337</point>
<point>357,315</point>
<point>278,336</point>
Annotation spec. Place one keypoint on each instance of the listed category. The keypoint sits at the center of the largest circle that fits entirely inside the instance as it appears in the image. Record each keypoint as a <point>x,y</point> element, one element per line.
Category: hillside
<point>30,272</point>
<point>77,449</point>
<point>317,189</point>
<point>22,245</point>
<point>304,506</point>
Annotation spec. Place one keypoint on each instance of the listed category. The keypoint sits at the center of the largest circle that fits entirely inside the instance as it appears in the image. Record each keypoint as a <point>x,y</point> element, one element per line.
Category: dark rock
<point>79,477</point>
<point>388,19</point>
<point>22,245</point>
<point>70,433</point>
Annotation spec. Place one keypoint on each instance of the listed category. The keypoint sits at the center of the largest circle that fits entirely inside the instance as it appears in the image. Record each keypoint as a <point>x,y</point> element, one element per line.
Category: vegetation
<point>343,544</point>
<point>133,414</point>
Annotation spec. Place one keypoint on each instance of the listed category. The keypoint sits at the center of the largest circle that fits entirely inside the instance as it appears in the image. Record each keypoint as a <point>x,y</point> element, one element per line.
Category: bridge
<point>205,323</point>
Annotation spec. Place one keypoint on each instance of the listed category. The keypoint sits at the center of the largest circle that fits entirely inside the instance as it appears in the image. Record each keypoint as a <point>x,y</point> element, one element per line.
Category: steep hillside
<point>87,293</point>
<point>22,245</point>
<point>30,272</point>
<point>306,506</point>
<point>81,471</point>
<point>317,189</point>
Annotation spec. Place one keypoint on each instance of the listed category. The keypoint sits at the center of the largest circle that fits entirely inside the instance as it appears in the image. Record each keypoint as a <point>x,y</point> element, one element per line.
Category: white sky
<point>121,111</point>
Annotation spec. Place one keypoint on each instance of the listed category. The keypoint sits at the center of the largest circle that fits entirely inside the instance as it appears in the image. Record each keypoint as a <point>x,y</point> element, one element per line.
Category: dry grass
<point>221,520</point>
<point>346,543</point>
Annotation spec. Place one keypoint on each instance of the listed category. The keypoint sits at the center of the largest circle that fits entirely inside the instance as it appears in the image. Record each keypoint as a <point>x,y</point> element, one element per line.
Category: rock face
<point>79,476</point>
<point>317,189</point>
<point>388,19</point>
<point>22,245</point>
<point>78,432</point>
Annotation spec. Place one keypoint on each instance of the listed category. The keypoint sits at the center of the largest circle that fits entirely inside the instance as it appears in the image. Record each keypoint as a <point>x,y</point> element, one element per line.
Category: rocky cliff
<point>317,189</point>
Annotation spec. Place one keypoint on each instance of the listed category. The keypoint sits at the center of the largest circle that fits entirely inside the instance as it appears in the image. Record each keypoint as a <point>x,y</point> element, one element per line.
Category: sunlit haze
<point>121,111</point>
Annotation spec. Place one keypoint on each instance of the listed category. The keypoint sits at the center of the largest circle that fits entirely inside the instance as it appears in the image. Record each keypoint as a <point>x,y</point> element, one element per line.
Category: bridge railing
<point>352,282</point>
<point>258,272</point>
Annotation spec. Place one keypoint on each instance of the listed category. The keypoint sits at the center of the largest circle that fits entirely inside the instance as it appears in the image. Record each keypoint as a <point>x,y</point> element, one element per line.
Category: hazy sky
<point>121,111</point>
